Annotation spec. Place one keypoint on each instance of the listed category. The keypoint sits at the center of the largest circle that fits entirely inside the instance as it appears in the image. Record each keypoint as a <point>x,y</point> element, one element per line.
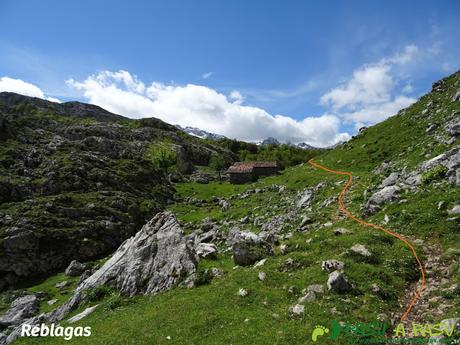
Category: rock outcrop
<point>337,282</point>
<point>80,180</point>
<point>383,196</point>
<point>157,258</point>
<point>247,247</point>
<point>75,268</point>
<point>21,309</point>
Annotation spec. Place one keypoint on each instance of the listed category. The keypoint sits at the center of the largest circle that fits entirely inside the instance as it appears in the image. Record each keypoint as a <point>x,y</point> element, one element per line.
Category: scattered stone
<point>316,288</point>
<point>454,210</point>
<point>385,195</point>
<point>341,231</point>
<point>75,269</point>
<point>375,288</point>
<point>430,128</point>
<point>249,248</point>
<point>327,224</point>
<point>62,284</point>
<point>216,272</point>
<point>441,204</point>
<point>283,249</point>
<point>260,263</point>
<point>224,205</point>
<point>297,309</point>
<point>51,301</point>
<point>306,196</point>
<point>386,219</point>
<point>305,221</point>
<point>206,250</point>
<point>309,297</point>
<point>360,250</point>
<point>244,220</point>
<point>243,292</point>
<point>83,314</point>
<point>337,282</point>
<point>262,276</point>
<point>456,97</point>
<point>332,265</point>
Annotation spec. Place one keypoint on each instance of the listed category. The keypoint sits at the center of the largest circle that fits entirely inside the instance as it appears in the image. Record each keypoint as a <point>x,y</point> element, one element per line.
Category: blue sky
<point>296,70</point>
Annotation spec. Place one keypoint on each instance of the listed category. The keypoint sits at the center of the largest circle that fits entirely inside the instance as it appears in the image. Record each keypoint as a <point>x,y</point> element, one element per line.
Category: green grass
<point>206,191</point>
<point>48,286</point>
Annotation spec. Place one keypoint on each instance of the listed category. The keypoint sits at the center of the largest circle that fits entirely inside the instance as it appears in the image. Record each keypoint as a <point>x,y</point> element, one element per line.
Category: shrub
<point>203,276</point>
<point>98,293</point>
<point>434,174</point>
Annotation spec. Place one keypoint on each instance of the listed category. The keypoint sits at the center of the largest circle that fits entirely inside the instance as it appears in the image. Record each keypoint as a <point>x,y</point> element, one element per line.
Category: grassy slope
<point>215,314</point>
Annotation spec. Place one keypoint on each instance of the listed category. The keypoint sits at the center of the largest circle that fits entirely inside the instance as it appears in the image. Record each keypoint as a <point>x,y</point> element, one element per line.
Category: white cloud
<point>203,107</point>
<point>374,113</point>
<point>408,88</point>
<point>207,75</point>
<point>371,94</point>
<point>236,97</point>
<point>370,84</point>
<point>24,88</point>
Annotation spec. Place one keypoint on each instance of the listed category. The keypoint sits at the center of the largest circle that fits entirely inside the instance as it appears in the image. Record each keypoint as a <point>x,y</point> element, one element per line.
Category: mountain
<point>307,146</point>
<point>200,133</point>
<point>270,141</point>
<point>274,260</point>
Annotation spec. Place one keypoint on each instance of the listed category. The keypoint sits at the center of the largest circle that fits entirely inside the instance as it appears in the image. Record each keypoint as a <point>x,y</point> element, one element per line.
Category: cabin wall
<point>262,171</point>
<point>240,178</point>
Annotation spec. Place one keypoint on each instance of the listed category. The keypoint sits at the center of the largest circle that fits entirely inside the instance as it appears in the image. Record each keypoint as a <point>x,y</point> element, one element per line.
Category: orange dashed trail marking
<point>342,208</point>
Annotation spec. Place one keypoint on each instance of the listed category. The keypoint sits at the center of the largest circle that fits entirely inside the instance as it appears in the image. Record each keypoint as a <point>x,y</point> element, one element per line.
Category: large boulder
<point>153,260</point>
<point>75,268</point>
<point>385,195</point>
<point>157,258</point>
<point>391,180</point>
<point>306,196</point>
<point>450,160</point>
<point>337,282</point>
<point>248,248</point>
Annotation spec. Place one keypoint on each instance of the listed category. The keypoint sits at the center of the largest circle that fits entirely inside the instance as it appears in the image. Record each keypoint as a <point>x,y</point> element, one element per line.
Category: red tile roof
<point>248,167</point>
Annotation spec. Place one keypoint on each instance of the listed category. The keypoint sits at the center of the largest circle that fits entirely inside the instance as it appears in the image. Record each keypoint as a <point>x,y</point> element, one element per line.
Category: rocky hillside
<point>265,263</point>
<point>75,181</point>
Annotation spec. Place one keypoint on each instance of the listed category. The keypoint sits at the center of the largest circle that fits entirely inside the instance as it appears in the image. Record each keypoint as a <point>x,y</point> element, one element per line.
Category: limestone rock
<point>332,265</point>
<point>83,314</point>
<point>391,180</point>
<point>297,310</point>
<point>455,210</point>
<point>385,195</point>
<point>360,250</point>
<point>20,309</point>
<point>249,248</point>
<point>75,268</point>
<point>154,260</point>
<point>337,282</point>
<point>308,297</point>
<point>206,250</point>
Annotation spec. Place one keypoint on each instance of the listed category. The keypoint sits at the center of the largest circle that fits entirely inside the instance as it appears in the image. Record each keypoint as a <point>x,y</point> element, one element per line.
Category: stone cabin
<point>244,172</point>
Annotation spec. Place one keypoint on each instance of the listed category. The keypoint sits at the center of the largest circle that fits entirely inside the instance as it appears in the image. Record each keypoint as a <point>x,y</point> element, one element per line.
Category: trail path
<point>342,208</point>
